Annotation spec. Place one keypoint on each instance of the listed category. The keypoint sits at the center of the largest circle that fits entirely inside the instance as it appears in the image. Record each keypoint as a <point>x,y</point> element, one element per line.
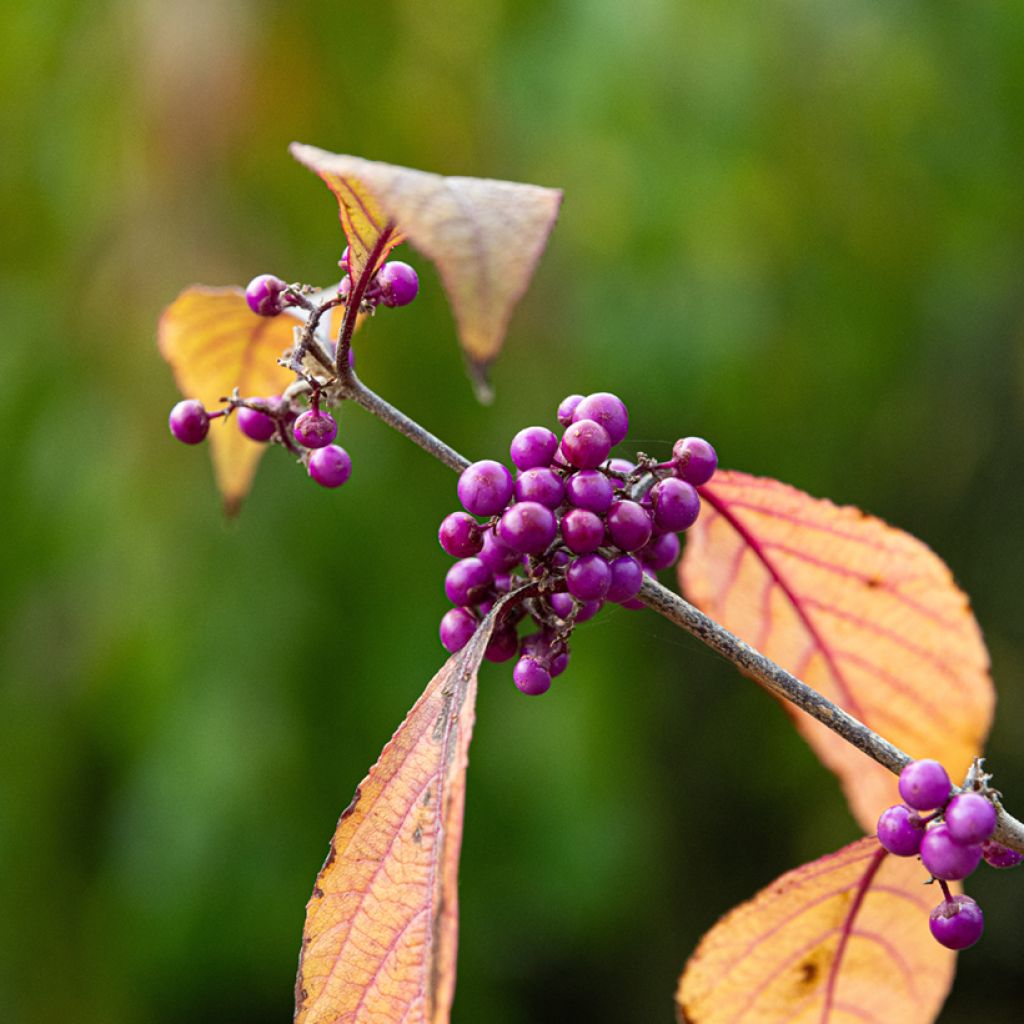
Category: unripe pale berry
<point>330,466</point>
<point>189,421</point>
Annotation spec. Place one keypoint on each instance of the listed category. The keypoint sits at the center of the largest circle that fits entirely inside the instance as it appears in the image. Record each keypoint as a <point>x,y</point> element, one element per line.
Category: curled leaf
<point>866,614</point>
<point>844,938</point>
<point>484,236</point>
<point>215,343</point>
<point>381,927</point>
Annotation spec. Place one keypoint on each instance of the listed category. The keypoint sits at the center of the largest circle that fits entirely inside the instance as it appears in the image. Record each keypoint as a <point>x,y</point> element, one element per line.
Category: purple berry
<point>504,644</point>
<point>590,489</point>
<point>496,555</point>
<point>627,577</point>
<point>485,487</point>
<point>540,484</point>
<point>629,525</point>
<point>676,504</point>
<point>944,857</point>
<point>582,531</point>
<point>998,856</point>
<point>561,604</point>
<point>588,609</point>
<point>588,577</point>
<point>460,535</point>
<point>466,581</point>
<point>695,459</point>
<point>398,283</point>
<point>330,466</point>
<point>924,785</point>
<point>606,409</point>
<point>531,677</point>
<point>532,447</point>
<point>264,294</point>
<point>315,429</point>
<point>585,444</point>
<point>970,818</point>
<point>457,628</point>
<point>255,424</point>
<point>957,923</point>
<point>189,421</point>
<point>528,527</point>
<point>900,830</point>
<point>568,408</point>
<point>660,552</point>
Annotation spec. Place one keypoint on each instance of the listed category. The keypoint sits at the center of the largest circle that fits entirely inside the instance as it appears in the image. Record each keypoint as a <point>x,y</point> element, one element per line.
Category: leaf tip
<point>479,378</point>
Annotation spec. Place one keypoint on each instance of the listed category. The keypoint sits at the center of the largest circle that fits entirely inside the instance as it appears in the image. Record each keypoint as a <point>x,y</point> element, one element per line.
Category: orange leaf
<point>382,924</point>
<point>215,343</point>
<point>844,938</point>
<point>866,614</point>
<point>485,236</point>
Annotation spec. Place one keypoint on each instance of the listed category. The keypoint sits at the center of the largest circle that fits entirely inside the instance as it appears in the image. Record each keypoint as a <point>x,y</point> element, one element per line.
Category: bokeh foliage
<point>795,228</point>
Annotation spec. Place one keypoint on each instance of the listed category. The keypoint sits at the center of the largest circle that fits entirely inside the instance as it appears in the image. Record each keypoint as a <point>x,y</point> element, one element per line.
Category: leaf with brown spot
<point>484,236</point>
<point>841,940</point>
<point>866,614</point>
<point>381,927</point>
<point>215,343</point>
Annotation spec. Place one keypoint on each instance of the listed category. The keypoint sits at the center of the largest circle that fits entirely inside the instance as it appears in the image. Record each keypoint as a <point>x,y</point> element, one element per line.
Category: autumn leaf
<point>842,939</point>
<point>866,614</point>
<point>381,927</point>
<point>484,236</point>
<point>215,343</point>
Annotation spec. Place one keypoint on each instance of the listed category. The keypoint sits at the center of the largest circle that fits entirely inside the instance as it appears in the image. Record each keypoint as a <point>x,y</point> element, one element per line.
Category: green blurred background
<point>795,228</point>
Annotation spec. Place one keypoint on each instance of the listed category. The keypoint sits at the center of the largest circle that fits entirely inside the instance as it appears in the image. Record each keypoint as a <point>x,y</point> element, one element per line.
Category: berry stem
<point>355,300</point>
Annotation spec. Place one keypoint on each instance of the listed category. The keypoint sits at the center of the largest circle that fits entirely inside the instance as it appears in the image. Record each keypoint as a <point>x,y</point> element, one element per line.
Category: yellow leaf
<point>842,940</point>
<point>382,925</point>
<point>866,614</point>
<point>215,343</point>
<point>484,236</point>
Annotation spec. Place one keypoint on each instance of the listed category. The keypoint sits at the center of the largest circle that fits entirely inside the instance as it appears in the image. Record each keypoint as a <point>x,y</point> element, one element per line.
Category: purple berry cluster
<point>580,526</point>
<point>951,835</point>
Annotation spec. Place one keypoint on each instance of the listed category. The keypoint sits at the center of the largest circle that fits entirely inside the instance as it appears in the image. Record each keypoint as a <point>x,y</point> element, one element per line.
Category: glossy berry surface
<point>957,923</point>
<point>629,525</point>
<point>540,484</point>
<point>585,444</point>
<point>627,577</point>
<point>924,785</point>
<point>532,447</point>
<point>398,283</point>
<point>900,830</point>
<point>330,466</point>
<point>590,489</point>
<point>998,856</point>
<point>503,646</point>
<point>465,579</point>
<point>695,460</point>
<point>528,527</point>
<point>485,488</point>
<point>676,504</point>
<point>608,410</point>
<point>460,535</point>
<point>660,552</point>
<point>189,421</point>
<point>457,627</point>
<point>315,429</point>
<point>970,818</point>
<point>531,677</point>
<point>255,424</point>
<point>264,295</point>
<point>945,858</point>
<point>582,530</point>
<point>567,409</point>
<point>588,577</point>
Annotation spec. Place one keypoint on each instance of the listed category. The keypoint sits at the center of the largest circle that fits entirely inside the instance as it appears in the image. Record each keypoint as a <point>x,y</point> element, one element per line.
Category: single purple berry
<point>660,552</point>
<point>567,408</point>
<point>255,424</point>
<point>189,421</point>
<point>561,604</point>
<point>540,484</point>
<point>900,830</point>
<point>629,525</point>
<point>585,444</point>
<point>532,447</point>
<point>460,535</point>
<point>924,785</point>
<point>588,577</point>
<point>998,856</point>
<point>398,283</point>
<point>543,647</point>
<point>330,466</point>
<point>957,923</point>
<point>590,489</point>
<point>627,577</point>
<point>608,410</point>
<point>466,581</point>
<point>676,504</point>
<point>695,459</point>
<point>582,531</point>
<point>970,818</point>
<point>315,429</point>
<point>528,527</point>
<point>457,628</point>
<point>497,555</point>
<point>588,609</point>
<point>485,487</point>
<point>531,677</point>
<point>945,858</point>
<point>504,644</point>
<point>264,294</point>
